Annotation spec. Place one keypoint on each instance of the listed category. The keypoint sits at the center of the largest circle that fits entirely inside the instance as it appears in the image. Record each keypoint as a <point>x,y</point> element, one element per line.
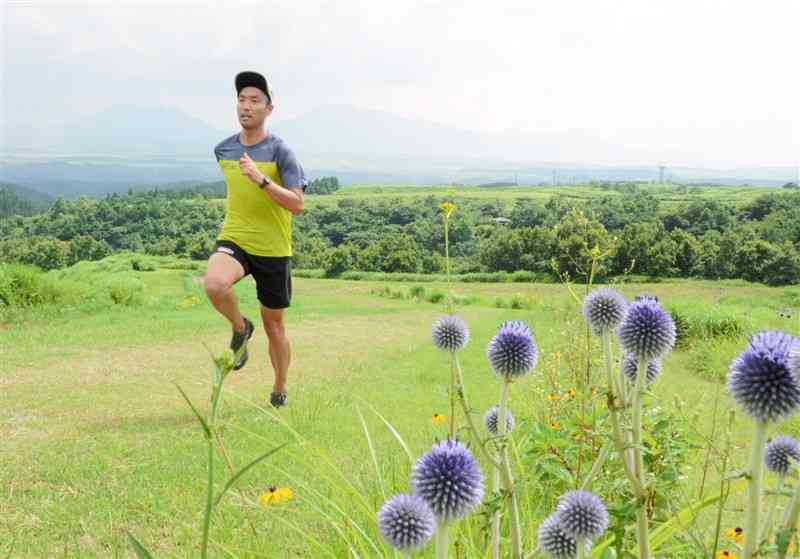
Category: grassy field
<point>97,441</point>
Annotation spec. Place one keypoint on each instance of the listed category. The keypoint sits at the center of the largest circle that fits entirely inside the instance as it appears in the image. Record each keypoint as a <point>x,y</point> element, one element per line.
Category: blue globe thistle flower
<point>518,324</point>
<point>760,380</point>
<point>490,421</point>
<point>449,479</point>
<point>512,352</point>
<point>450,333</point>
<point>647,331</point>
<point>406,522</point>
<point>555,542</point>
<point>794,360</point>
<point>630,367</point>
<point>582,514</point>
<point>779,453</point>
<point>604,309</point>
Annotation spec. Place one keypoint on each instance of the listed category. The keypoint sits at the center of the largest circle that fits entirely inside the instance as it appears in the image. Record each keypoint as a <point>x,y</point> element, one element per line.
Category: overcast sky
<point>712,82</point>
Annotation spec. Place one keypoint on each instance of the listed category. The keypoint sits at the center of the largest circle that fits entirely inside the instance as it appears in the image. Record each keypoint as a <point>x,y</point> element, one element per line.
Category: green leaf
<point>244,470</point>
<point>395,433</point>
<point>138,548</point>
<point>202,421</point>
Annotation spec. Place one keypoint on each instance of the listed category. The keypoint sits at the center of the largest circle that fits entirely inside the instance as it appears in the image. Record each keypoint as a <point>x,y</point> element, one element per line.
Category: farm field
<point>670,195</point>
<point>97,440</point>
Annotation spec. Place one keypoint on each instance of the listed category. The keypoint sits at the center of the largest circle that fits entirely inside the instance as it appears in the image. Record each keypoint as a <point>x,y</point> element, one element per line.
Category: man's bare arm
<point>290,197</point>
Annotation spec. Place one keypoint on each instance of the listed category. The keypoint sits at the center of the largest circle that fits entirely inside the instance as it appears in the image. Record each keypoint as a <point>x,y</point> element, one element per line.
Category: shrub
<point>435,296</point>
<point>125,291</point>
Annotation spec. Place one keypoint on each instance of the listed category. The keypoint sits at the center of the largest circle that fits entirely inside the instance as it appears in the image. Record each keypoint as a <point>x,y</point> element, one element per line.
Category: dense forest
<point>636,232</point>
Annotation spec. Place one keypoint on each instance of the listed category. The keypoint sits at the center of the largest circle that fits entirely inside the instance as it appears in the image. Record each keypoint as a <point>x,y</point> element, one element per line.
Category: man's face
<point>252,108</point>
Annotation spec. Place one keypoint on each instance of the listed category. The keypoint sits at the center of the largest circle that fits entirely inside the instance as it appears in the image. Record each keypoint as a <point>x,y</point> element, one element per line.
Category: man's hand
<point>249,169</point>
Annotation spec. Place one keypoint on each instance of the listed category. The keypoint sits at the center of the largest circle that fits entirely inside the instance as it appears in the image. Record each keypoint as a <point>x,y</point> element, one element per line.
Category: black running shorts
<point>273,274</point>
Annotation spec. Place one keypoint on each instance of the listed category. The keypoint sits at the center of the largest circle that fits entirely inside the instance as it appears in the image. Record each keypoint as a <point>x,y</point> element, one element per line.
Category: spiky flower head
<point>512,352</point>
<point>406,522</point>
<point>519,324</point>
<point>794,360</point>
<point>582,514</point>
<point>449,479</point>
<point>630,367</point>
<point>450,333</point>
<point>779,452</point>
<point>491,423</point>
<point>554,542</point>
<point>604,309</point>
<point>647,331</point>
<point>760,380</point>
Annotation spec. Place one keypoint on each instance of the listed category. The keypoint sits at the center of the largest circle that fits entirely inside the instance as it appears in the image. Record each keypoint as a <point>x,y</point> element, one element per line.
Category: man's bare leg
<point>223,271</point>
<point>279,347</point>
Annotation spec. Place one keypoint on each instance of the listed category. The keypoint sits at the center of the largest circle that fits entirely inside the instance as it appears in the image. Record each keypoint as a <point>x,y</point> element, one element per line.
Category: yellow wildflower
<point>447,208</point>
<point>276,495</point>
<point>555,425</point>
<point>437,418</point>
<point>736,534</point>
<point>572,392</point>
<point>725,554</point>
<point>594,392</point>
<point>552,397</point>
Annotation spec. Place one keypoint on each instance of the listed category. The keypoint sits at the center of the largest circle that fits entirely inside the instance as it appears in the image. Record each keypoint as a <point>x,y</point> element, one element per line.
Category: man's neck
<point>252,137</point>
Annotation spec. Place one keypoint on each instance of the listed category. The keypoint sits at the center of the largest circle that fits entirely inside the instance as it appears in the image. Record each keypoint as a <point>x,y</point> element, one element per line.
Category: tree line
<point>636,233</point>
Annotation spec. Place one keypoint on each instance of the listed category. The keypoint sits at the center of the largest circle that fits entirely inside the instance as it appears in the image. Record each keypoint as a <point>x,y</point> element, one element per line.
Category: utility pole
<point>661,173</point>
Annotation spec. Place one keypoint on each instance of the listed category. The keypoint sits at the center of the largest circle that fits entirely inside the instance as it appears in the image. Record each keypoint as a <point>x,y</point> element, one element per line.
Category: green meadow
<point>98,442</point>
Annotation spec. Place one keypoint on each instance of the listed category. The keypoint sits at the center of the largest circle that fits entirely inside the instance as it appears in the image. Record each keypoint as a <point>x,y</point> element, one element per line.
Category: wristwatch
<point>265,182</point>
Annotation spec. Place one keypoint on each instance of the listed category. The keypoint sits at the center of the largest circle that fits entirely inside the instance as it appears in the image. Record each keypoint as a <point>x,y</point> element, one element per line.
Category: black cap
<point>253,79</point>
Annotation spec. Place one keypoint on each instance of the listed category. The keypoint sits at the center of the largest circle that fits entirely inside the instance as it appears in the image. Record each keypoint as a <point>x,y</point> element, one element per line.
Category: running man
<point>265,186</point>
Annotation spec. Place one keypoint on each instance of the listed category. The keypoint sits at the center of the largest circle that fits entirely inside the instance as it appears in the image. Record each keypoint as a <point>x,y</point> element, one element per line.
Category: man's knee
<point>215,287</point>
<point>274,327</point>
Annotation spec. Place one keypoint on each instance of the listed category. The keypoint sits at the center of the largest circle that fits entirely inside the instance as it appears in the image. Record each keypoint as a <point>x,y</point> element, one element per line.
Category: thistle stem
<point>496,516</point>
<point>638,468</point>
<point>462,397</point>
<point>790,518</point>
<point>754,490</point>
<point>766,529</point>
<point>452,423</point>
<point>501,431</point>
<point>580,543</point>
<point>508,480</point>
<point>619,439</point>
<point>442,539</point>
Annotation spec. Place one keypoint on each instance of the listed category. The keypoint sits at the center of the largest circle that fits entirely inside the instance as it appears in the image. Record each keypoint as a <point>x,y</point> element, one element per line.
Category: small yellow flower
<point>736,534</point>
<point>594,392</point>
<point>572,392</point>
<point>276,495</point>
<point>447,208</point>
<point>555,425</point>
<point>725,554</point>
<point>437,418</point>
<point>552,397</point>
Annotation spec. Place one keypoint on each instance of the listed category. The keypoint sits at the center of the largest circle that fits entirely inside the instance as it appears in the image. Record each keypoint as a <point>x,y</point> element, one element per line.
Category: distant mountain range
<point>131,146</point>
